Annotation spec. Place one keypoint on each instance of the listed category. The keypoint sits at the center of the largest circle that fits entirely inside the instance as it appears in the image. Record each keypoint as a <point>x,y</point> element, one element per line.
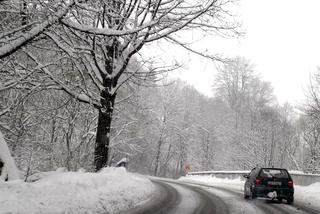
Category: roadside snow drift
<point>110,191</point>
<point>10,169</point>
<point>308,194</point>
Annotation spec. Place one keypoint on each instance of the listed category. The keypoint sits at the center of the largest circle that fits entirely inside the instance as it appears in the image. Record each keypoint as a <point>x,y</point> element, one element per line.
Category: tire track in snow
<point>208,203</point>
<point>306,209</point>
<point>296,207</point>
<point>262,205</point>
<point>161,203</point>
<point>196,198</point>
<point>179,198</point>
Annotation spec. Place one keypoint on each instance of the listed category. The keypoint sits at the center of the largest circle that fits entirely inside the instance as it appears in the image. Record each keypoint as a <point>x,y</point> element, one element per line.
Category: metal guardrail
<point>298,178</point>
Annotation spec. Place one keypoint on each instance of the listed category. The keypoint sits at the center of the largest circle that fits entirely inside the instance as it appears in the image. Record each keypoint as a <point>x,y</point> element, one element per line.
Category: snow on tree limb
<point>213,57</point>
<point>79,96</point>
<point>10,169</point>
<point>105,32</point>
<point>12,83</point>
<point>2,35</point>
<point>22,39</point>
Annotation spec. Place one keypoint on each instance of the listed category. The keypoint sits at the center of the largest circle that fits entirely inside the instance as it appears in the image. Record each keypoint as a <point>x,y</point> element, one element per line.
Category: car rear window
<point>273,173</point>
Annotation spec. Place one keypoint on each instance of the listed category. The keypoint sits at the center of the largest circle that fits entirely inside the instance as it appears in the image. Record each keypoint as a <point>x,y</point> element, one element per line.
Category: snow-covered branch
<point>23,38</point>
<point>79,96</point>
<point>104,31</point>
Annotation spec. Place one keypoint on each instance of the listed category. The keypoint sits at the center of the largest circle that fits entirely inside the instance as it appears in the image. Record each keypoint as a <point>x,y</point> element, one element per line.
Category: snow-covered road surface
<point>178,197</point>
<point>187,196</point>
<point>237,204</point>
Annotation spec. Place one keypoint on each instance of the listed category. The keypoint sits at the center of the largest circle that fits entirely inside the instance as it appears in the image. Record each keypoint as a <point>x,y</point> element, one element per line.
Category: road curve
<point>163,200</point>
<point>179,198</point>
<point>208,203</point>
<point>265,206</point>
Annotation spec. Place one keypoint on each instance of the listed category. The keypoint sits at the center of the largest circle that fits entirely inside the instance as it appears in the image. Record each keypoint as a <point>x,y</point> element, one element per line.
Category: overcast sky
<point>282,40</point>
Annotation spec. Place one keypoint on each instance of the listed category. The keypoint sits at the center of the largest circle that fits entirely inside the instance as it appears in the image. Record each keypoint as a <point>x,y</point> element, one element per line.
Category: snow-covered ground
<point>109,191</point>
<point>306,194</point>
<point>309,194</point>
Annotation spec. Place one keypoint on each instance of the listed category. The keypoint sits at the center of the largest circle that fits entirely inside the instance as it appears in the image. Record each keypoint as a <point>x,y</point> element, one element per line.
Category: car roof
<point>273,168</point>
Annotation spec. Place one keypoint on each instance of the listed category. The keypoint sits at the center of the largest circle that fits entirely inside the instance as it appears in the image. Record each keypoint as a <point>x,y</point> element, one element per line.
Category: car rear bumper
<point>281,192</point>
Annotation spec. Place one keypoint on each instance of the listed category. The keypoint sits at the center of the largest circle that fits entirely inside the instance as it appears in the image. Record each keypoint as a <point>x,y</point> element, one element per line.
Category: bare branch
<point>24,38</point>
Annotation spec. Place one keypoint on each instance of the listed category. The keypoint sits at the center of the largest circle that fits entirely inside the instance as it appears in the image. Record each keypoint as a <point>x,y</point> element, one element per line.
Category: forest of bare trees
<point>75,92</point>
<point>161,129</point>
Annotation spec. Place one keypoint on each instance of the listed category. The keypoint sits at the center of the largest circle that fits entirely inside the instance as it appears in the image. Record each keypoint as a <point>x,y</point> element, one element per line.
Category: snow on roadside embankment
<point>306,194</point>
<point>214,181</point>
<point>109,191</point>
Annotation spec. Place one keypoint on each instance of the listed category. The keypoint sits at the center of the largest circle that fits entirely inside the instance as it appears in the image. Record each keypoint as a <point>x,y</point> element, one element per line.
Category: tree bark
<point>158,156</point>
<point>103,130</point>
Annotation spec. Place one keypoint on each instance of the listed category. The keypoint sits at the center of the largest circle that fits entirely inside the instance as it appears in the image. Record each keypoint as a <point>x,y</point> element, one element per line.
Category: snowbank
<point>40,175</point>
<point>110,191</point>
<point>221,172</point>
<point>208,179</point>
<point>309,194</point>
<point>292,172</point>
<point>10,169</point>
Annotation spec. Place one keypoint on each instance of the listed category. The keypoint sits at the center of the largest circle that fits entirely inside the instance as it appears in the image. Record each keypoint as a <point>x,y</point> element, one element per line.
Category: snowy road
<point>233,197</point>
<point>183,197</point>
<point>178,197</point>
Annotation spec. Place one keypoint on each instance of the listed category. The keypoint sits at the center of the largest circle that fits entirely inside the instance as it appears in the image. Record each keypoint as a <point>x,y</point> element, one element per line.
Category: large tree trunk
<point>103,131</point>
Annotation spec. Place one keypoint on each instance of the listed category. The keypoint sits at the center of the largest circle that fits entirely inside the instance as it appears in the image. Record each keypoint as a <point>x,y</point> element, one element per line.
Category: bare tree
<point>311,121</point>
<point>101,38</point>
<point>89,46</point>
<point>233,83</point>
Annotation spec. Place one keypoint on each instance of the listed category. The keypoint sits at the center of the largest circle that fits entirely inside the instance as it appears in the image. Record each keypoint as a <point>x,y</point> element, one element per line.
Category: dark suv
<point>272,183</point>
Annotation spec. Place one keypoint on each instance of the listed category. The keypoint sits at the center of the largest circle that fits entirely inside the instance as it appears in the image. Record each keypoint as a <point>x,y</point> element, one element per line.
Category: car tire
<point>252,194</point>
<point>290,200</point>
<point>245,193</point>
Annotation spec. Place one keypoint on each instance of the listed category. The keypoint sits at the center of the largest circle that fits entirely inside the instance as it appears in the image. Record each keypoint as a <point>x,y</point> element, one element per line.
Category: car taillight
<point>258,181</point>
<point>290,182</point>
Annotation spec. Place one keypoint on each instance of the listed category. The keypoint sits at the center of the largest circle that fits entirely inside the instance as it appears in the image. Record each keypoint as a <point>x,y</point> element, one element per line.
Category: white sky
<point>282,40</point>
